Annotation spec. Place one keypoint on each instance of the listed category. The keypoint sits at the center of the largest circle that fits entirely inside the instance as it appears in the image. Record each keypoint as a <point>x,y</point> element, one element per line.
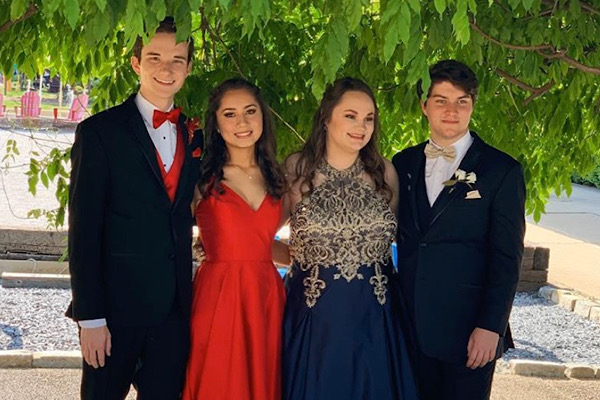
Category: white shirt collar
<point>146,108</point>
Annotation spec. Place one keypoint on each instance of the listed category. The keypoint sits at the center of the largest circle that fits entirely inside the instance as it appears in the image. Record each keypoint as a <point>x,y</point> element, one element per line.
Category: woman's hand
<point>198,252</point>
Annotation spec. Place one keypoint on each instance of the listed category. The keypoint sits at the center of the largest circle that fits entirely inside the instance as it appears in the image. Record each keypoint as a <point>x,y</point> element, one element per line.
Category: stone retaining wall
<point>534,268</point>
<point>33,241</point>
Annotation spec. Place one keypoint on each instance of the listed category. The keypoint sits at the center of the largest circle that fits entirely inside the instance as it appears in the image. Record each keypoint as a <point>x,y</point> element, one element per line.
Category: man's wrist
<point>92,323</point>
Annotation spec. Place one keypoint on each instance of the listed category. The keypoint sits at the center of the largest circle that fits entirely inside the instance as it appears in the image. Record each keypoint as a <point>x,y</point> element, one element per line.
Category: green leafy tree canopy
<point>538,62</point>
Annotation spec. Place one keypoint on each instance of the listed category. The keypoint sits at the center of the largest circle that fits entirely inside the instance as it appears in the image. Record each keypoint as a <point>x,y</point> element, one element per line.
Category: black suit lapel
<point>450,193</point>
<point>183,135</point>
<point>140,133</point>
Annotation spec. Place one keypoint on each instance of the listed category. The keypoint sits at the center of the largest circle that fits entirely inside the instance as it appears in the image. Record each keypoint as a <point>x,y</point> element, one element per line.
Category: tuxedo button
<point>171,256</point>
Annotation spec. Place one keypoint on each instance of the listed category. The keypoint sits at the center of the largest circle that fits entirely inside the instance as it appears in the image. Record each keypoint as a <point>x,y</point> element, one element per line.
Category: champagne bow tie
<point>159,117</point>
<point>449,153</point>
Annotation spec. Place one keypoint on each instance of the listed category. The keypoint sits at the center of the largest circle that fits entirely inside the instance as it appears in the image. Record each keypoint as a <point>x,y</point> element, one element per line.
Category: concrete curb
<point>40,359</point>
<point>545,369</point>
<point>26,280</point>
<point>572,301</point>
<point>24,359</point>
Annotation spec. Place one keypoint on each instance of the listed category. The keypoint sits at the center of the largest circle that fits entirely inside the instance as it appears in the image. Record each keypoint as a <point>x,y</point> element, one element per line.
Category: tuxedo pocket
<point>473,195</point>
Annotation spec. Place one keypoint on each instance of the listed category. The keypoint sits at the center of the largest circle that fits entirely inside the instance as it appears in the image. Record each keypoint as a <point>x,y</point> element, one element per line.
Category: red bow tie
<point>160,117</point>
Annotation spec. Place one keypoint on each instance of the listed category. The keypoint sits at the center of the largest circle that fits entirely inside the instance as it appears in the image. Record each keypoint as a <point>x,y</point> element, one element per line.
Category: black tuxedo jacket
<point>459,264</point>
<point>129,246</point>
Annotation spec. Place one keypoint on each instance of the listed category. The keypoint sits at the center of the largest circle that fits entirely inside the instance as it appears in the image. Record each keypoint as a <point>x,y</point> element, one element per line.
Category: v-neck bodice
<point>232,230</point>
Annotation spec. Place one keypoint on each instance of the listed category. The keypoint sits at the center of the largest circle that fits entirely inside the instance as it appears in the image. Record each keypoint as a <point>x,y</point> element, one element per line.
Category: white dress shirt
<point>438,170</point>
<point>165,142</point>
<point>164,137</point>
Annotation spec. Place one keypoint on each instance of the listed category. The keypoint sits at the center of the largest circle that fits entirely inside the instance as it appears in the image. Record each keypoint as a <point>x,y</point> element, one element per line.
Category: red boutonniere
<point>192,125</point>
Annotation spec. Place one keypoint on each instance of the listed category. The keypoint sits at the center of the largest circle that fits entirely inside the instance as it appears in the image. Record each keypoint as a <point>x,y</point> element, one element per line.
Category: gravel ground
<point>33,319</point>
<point>545,331</point>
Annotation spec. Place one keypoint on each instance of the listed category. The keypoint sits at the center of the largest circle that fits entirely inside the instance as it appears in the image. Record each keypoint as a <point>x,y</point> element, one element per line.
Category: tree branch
<point>547,51</point>
<point>584,6</point>
<point>535,92</point>
<point>562,55</point>
<point>30,11</point>
<point>508,45</point>
<point>589,8</point>
<point>554,7</point>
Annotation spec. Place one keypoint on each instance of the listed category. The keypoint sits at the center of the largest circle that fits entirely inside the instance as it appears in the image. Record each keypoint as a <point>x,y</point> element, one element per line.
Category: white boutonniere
<point>467,178</point>
<point>461,176</point>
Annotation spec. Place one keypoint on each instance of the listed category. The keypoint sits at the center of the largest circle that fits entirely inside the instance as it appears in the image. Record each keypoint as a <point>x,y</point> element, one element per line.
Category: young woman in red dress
<point>239,298</point>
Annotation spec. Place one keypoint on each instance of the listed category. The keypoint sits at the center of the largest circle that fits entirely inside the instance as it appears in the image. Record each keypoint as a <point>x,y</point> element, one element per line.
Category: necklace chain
<point>244,170</point>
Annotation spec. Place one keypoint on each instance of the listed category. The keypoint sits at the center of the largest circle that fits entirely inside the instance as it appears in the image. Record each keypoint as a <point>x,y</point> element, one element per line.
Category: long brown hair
<point>216,155</point>
<point>314,150</point>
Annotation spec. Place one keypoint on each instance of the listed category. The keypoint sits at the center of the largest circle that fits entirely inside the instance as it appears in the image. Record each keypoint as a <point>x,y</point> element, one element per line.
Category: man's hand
<point>481,348</point>
<point>95,344</point>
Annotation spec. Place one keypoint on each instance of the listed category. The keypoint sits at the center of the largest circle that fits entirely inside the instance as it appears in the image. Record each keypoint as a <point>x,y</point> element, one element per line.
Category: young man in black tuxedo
<point>134,169</point>
<point>460,242</point>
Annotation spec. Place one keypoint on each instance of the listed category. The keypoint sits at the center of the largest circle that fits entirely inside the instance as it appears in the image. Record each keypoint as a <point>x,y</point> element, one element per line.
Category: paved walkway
<point>571,230</point>
<point>577,216</point>
<point>574,263</point>
<point>53,384</point>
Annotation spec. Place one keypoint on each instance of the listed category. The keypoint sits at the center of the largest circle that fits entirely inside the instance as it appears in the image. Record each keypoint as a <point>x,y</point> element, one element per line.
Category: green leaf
<point>527,4</point>
<point>159,8</point>
<point>353,9</point>
<point>514,4</point>
<point>415,5</point>
<point>575,8</point>
<point>440,6</point>
<point>195,4</point>
<point>101,4</point>
<point>404,21</point>
<point>44,179</point>
<point>414,43</point>
<point>473,6</point>
<point>397,20</point>
<point>460,22</point>
<point>32,182</point>
<point>99,26</point>
<point>18,8</point>
<point>224,4</point>
<point>50,6</point>
<point>52,169</point>
<point>71,12</point>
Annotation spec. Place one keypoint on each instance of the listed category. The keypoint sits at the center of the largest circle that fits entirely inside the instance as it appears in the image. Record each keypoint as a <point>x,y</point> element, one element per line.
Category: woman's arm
<point>391,178</point>
<point>282,253</point>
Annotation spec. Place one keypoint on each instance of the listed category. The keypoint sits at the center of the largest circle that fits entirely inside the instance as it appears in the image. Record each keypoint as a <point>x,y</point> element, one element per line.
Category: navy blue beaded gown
<point>342,335</point>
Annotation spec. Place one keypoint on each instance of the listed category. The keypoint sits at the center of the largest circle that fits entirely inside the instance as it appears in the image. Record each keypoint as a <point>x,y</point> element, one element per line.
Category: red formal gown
<point>238,303</point>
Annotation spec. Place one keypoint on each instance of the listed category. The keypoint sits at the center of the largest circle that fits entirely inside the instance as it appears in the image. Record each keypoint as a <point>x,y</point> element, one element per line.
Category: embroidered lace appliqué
<point>343,224</point>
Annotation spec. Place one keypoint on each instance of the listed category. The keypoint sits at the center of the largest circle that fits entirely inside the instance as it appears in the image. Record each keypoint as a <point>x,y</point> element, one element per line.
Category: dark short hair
<point>454,72</point>
<point>167,25</point>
